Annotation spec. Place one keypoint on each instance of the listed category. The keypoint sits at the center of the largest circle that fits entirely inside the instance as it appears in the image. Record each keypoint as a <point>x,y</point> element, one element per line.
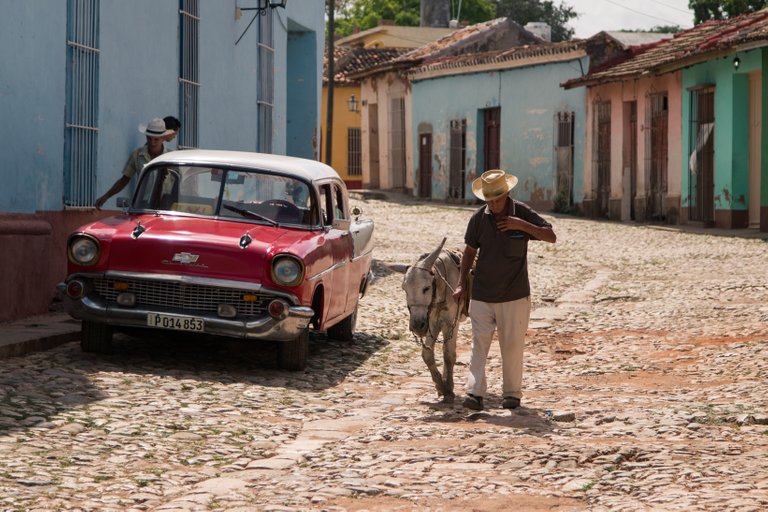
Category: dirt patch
<point>511,502</point>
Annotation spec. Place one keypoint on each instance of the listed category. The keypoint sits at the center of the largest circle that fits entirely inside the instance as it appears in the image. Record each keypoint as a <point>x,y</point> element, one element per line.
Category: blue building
<point>501,110</point>
<point>79,76</point>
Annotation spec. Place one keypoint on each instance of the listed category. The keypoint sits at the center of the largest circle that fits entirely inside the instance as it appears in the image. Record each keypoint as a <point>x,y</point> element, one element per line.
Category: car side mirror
<point>123,202</point>
<point>357,212</point>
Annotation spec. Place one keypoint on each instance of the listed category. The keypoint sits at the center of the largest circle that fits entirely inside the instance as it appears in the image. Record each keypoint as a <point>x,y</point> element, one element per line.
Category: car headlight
<point>83,250</point>
<point>287,270</point>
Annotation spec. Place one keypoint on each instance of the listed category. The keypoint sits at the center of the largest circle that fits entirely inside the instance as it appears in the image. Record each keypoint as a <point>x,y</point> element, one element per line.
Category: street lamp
<point>352,103</point>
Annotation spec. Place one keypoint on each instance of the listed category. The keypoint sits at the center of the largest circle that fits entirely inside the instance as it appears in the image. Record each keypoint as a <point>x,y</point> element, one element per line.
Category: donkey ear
<point>427,263</point>
<point>399,268</point>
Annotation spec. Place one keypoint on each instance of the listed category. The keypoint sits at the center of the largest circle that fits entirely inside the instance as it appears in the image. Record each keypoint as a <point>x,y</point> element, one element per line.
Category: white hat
<point>155,128</point>
<point>493,184</point>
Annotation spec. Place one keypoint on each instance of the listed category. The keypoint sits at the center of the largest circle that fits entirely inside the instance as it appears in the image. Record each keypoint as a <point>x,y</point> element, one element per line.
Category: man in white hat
<point>156,132</point>
<point>500,295</point>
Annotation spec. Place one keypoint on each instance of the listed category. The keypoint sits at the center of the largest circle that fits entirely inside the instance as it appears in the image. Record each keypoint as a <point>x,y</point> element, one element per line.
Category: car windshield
<point>214,191</point>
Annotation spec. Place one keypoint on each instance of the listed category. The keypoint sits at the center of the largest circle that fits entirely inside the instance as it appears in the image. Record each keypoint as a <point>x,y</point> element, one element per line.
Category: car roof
<point>309,170</point>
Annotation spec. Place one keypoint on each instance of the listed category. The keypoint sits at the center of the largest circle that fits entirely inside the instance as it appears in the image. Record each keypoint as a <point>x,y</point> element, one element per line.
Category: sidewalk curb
<point>37,333</point>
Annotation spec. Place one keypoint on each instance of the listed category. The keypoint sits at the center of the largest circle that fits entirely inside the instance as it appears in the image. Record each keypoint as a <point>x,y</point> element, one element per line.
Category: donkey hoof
<point>449,398</point>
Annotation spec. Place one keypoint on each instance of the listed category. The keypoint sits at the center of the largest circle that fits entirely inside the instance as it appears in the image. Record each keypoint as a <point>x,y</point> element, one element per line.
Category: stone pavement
<point>645,389</point>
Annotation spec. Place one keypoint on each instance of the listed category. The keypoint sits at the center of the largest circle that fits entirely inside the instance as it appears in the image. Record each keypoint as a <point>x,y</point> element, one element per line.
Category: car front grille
<point>183,296</point>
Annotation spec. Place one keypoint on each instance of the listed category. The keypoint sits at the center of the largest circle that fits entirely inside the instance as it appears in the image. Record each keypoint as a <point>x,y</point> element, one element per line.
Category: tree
<point>659,29</point>
<point>525,11</point>
<point>704,10</point>
<point>365,14</point>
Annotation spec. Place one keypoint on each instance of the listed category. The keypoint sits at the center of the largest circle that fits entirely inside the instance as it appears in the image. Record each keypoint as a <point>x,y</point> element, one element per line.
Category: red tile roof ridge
<point>740,22</point>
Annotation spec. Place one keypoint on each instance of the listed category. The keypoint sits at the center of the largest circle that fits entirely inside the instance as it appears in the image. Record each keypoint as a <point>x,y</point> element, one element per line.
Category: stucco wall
<point>619,93</point>
<point>529,98</point>
<point>380,90</point>
<point>731,175</point>
<point>343,119</point>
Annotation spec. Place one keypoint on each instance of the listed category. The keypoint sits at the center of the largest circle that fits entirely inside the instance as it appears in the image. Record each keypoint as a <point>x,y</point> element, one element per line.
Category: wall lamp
<point>736,63</point>
<point>264,5</point>
<point>352,103</point>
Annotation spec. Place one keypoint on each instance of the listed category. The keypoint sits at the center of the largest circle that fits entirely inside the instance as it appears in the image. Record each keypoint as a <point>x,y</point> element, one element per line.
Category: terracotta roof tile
<point>350,61</point>
<point>443,44</point>
<point>541,51</point>
<point>682,49</point>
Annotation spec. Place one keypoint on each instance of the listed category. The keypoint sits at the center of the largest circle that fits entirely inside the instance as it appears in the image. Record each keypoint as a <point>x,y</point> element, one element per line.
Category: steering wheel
<point>281,203</point>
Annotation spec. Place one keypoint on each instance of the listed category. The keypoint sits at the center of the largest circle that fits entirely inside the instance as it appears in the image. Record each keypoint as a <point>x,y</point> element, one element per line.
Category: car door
<point>337,237</point>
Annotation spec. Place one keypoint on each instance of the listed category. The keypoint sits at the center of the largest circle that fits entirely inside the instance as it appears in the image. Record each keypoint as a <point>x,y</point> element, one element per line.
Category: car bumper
<point>288,326</point>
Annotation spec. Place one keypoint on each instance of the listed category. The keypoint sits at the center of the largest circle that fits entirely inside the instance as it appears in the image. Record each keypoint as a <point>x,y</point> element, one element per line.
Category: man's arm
<point>467,259</point>
<point>119,185</point>
<point>543,233</point>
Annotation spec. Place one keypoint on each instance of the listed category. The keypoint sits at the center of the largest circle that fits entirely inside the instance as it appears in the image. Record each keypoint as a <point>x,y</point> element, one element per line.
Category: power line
<point>673,7</point>
<point>641,13</point>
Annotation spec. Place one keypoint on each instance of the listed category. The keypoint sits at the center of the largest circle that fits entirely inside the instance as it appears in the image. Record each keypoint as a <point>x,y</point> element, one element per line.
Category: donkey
<point>429,285</point>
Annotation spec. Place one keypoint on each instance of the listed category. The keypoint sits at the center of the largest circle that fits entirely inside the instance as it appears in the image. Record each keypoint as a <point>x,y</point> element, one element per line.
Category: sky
<point>597,15</point>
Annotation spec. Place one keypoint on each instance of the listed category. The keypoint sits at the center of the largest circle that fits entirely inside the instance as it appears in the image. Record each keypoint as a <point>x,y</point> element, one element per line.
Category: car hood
<point>194,246</point>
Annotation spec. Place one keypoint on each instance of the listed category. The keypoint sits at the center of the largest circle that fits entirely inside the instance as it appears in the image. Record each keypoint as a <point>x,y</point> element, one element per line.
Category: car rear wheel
<point>344,330</point>
<point>95,337</point>
<point>293,354</point>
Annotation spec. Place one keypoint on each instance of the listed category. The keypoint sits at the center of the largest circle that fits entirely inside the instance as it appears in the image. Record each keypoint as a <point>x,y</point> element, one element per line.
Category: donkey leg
<point>449,361</point>
<point>428,355</point>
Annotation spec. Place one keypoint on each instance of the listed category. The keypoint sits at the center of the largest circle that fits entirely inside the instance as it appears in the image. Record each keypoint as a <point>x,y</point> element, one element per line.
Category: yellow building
<point>394,36</point>
<point>346,150</point>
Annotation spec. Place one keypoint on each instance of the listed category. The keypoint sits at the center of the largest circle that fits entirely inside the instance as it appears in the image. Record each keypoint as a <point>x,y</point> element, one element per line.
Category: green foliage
<point>365,14</point>
<point>659,29</point>
<point>704,10</point>
<point>525,11</point>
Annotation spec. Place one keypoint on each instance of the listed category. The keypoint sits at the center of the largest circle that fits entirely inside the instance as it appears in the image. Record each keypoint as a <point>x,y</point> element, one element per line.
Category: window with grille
<point>189,76</point>
<point>266,85</point>
<point>82,102</point>
<point>354,152</point>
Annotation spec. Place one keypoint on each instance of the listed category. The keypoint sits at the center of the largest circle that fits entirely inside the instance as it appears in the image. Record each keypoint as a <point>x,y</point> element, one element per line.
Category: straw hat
<point>493,184</point>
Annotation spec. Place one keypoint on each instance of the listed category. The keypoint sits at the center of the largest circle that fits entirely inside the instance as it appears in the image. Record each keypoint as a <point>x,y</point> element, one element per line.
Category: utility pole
<point>331,73</point>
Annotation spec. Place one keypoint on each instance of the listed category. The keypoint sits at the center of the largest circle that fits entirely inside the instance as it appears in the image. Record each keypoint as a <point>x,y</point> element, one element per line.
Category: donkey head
<point>419,285</point>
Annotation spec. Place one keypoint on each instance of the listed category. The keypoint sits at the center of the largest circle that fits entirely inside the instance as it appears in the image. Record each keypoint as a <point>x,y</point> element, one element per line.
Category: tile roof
<point>522,55</point>
<point>355,60</point>
<point>442,45</point>
<point>637,38</point>
<point>683,49</point>
<point>489,36</point>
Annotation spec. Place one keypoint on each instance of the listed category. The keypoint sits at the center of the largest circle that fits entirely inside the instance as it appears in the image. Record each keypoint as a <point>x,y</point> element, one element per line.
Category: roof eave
<point>496,66</point>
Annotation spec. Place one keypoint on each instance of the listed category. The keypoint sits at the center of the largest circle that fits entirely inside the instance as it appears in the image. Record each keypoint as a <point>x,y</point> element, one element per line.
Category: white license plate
<point>179,323</point>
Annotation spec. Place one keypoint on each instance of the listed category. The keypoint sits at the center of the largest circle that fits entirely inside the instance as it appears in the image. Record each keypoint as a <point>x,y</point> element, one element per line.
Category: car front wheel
<point>344,330</point>
<point>293,354</point>
<point>95,337</point>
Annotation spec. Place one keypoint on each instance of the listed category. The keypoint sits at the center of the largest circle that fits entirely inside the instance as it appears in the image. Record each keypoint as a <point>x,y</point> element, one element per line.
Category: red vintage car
<point>236,244</point>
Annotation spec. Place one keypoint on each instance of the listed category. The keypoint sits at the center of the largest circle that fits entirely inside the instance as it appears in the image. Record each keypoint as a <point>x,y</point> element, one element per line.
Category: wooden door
<point>373,145</point>
<point>492,134</point>
<point>755,156</point>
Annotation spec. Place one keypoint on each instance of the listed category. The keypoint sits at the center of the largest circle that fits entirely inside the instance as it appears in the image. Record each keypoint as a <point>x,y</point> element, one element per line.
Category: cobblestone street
<point>646,388</point>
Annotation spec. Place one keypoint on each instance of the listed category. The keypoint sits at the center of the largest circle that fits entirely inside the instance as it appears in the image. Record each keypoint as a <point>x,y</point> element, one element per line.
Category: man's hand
<point>512,224</point>
<point>100,202</point>
<point>458,294</point>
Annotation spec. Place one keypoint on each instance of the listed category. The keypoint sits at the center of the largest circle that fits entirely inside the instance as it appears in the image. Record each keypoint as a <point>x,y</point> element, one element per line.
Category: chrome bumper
<point>289,326</point>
